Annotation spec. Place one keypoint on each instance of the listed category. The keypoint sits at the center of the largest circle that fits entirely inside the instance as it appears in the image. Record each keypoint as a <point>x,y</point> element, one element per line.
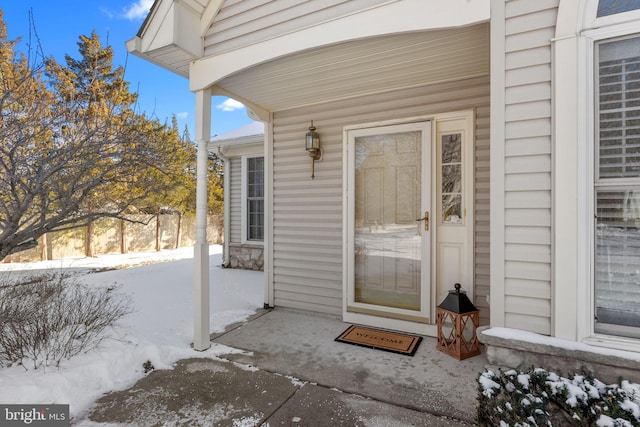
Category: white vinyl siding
<point>240,23</point>
<point>307,214</point>
<point>235,200</point>
<point>482,214</point>
<point>529,28</point>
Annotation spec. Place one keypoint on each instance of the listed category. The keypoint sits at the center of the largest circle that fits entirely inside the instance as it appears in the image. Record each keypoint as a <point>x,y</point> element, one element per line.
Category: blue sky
<point>59,24</point>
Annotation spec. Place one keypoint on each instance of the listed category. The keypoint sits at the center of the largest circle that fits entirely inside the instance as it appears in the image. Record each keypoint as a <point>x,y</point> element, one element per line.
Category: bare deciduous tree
<point>72,147</point>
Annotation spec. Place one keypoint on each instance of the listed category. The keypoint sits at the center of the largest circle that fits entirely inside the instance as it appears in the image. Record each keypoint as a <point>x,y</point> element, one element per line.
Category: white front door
<point>389,232</point>
<point>398,265</point>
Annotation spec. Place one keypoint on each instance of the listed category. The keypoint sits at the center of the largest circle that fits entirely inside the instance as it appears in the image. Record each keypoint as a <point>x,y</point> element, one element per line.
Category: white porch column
<point>201,249</point>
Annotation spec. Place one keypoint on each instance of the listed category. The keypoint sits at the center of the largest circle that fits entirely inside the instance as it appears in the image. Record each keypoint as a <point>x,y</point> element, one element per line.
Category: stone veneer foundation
<point>608,366</point>
<point>247,257</point>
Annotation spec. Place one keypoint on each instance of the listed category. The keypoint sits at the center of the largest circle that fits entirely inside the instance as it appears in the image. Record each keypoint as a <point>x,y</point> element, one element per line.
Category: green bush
<point>542,398</point>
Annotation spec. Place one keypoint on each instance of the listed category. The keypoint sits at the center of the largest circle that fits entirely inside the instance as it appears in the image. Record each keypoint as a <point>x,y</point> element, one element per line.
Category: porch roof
<point>249,134</point>
<point>373,53</point>
<point>362,67</point>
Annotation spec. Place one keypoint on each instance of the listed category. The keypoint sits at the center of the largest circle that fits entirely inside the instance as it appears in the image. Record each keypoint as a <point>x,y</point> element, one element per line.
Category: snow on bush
<point>542,398</point>
<point>48,318</point>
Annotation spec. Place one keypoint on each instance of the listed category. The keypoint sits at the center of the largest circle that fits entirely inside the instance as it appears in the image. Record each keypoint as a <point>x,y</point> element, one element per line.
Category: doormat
<point>379,339</point>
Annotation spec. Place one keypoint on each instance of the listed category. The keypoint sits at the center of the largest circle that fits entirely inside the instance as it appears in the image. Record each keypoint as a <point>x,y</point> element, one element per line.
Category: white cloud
<point>230,105</point>
<point>182,115</point>
<point>138,10</point>
<point>107,13</point>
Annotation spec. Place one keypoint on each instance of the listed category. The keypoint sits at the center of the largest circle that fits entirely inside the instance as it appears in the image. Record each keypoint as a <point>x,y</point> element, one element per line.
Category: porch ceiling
<point>363,67</point>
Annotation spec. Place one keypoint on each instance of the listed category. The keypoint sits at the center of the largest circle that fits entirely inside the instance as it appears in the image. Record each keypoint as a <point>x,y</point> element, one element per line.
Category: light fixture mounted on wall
<point>312,145</point>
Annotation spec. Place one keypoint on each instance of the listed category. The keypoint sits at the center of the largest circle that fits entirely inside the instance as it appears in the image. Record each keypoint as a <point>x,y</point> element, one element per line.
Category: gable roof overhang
<point>170,34</point>
<point>394,45</point>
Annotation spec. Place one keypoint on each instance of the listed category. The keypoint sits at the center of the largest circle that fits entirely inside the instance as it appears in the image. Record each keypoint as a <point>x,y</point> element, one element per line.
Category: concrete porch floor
<point>293,373</point>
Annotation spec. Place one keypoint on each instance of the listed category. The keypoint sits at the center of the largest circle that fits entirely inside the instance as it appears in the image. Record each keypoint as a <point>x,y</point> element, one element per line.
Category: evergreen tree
<point>186,137</point>
<point>73,148</point>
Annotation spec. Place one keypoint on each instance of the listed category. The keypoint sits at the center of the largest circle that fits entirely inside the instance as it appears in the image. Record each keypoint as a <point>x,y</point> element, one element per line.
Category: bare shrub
<point>46,319</point>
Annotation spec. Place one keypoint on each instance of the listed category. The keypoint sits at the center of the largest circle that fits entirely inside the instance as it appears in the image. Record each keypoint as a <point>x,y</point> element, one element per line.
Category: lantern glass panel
<point>313,141</point>
<point>448,328</point>
<point>468,329</point>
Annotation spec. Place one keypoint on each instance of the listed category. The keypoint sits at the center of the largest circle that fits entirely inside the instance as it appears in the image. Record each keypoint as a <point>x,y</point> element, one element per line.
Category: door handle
<point>426,220</point>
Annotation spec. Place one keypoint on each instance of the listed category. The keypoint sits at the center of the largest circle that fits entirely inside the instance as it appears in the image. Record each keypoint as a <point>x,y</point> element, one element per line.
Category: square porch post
<point>201,340</point>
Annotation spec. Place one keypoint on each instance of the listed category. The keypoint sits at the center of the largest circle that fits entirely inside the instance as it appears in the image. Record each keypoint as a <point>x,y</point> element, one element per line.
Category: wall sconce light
<point>312,145</point>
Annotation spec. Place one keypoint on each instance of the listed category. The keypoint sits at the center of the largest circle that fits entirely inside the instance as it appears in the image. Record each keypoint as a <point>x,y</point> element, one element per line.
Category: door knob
<point>426,220</point>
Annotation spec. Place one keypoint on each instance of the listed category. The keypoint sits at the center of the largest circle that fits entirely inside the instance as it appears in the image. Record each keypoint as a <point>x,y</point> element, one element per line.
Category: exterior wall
<point>242,23</point>
<point>245,256</point>
<point>307,214</point>
<point>235,202</point>
<point>482,215</point>
<point>526,158</point>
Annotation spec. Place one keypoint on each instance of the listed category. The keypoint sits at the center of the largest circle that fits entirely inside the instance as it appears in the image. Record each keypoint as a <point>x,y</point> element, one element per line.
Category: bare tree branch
<point>72,148</point>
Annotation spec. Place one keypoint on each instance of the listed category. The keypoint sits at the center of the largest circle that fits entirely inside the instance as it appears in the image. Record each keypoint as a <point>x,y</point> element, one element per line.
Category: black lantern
<point>457,320</point>
<point>312,145</point>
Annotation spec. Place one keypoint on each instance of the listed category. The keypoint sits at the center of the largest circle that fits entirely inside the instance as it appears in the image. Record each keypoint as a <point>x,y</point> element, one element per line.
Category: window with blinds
<point>617,188</point>
<point>619,105</point>
<point>255,198</point>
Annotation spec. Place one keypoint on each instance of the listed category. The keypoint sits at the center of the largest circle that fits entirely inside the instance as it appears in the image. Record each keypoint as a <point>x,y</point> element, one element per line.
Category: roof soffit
<point>362,67</point>
<point>389,18</point>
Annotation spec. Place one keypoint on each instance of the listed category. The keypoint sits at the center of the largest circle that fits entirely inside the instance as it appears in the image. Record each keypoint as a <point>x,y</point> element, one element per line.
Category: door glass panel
<point>388,170</point>
<point>617,273</point>
<point>452,148</point>
<point>451,178</point>
<point>452,208</point>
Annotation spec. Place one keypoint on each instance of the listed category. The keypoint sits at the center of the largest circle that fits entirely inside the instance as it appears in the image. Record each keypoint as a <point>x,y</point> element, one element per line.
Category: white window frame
<point>574,168</point>
<point>244,205</point>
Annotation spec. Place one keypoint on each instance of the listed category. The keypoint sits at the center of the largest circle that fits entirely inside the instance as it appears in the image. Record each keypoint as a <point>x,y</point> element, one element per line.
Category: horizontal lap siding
<point>241,23</point>
<point>530,26</point>
<point>482,215</point>
<point>235,201</point>
<point>307,213</point>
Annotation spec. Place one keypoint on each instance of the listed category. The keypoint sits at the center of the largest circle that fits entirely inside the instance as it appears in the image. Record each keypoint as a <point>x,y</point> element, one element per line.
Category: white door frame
<point>349,221</point>
<point>425,125</point>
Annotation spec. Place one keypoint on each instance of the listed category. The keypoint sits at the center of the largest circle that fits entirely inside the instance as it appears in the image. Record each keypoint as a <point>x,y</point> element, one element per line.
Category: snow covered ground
<point>159,330</point>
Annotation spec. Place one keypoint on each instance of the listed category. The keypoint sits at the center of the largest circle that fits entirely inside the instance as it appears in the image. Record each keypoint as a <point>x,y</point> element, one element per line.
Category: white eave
<point>170,35</point>
<point>250,134</point>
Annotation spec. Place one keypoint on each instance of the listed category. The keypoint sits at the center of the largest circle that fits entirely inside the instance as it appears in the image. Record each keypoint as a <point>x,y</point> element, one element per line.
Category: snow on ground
<point>159,330</point>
